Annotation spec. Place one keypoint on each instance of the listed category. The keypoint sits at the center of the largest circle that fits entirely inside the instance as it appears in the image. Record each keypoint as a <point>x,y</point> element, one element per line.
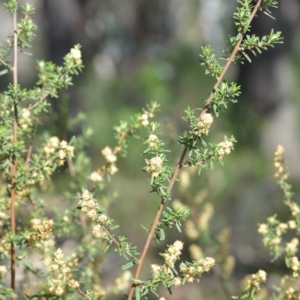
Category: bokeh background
<point>138,51</point>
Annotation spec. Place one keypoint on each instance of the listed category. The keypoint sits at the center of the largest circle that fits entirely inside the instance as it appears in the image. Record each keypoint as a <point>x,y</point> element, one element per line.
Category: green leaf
<point>203,143</point>
<point>137,293</point>
<point>127,266</point>
<point>169,290</point>
<point>3,72</point>
<point>247,57</point>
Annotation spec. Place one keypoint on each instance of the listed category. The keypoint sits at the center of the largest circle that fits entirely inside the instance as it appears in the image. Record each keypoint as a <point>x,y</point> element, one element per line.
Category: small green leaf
<point>3,72</point>
<point>161,234</point>
<point>137,293</point>
<point>127,266</point>
<point>247,57</point>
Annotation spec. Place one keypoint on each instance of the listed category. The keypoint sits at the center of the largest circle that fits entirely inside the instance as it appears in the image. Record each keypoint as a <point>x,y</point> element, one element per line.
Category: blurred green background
<point>138,51</point>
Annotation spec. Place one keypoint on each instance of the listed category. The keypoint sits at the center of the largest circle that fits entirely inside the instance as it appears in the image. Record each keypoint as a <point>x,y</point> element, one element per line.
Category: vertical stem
<point>14,158</point>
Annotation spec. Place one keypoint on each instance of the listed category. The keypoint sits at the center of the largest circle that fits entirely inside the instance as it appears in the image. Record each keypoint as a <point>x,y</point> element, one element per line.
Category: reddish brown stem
<point>14,159</point>
<point>179,165</point>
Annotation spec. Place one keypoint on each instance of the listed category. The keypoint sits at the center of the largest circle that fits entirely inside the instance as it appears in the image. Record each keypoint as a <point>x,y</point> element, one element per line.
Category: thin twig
<point>3,63</point>
<point>32,106</point>
<point>179,165</point>
<point>117,243</point>
<point>29,152</point>
<point>14,159</point>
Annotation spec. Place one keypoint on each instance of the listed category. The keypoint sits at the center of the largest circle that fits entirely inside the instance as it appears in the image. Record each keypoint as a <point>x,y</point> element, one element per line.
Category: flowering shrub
<point>32,227</point>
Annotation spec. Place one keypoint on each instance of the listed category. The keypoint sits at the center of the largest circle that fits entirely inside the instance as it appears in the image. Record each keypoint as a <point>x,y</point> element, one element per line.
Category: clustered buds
<point>153,141</point>
<point>95,177</point>
<point>193,270</point>
<point>204,124</point>
<point>193,229</point>
<point>224,148</point>
<point>295,209</point>
<point>144,118</point>
<point>154,166</point>
<point>109,155</point>
<point>123,282</point>
<point>272,235</point>
<point>272,232</point>
<point>61,149</point>
<point>61,266</point>
<point>188,271</point>
<point>90,207</point>
<point>3,270</point>
<point>280,171</point>
<point>73,58</point>
<point>25,120</point>
<point>41,231</point>
<point>170,256</point>
<point>291,294</point>
<point>295,266</point>
<point>257,280</point>
<point>173,252</point>
<point>111,158</point>
<point>291,248</point>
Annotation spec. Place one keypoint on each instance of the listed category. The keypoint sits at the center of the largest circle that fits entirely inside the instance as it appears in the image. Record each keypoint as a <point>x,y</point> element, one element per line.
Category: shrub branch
<point>180,164</point>
<point>14,158</point>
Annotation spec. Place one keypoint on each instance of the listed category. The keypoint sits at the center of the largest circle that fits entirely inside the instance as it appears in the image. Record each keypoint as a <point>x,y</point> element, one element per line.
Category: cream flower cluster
<point>291,294</point>
<point>95,177</point>
<point>273,231</point>
<point>193,230</point>
<point>257,280</point>
<point>123,282</point>
<point>110,158</point>
<point>271,236</point>
<point>25,120</point>
<point>188,271</point>
<point>171,255</point>
<point>228,267</point>
<point>295,266</point>
<point>204,124</point>
<point>109,155</point>
<point>154,166</point>
<point>3,217</point>
<point>224,148</point>
<point>291,248</point>
<point>295,209</point>
<point>153,141</point>
<point>64,274</point>
<point>61,148</point>
<point>51,146</point>
<point>90,207</point>
<point>196,269</point>
<point>206,215</point>
<point>3,270</point>
<point>144,118</point>
<point>40,231</point>
<point>4,246</point>
<point>74,57</point>
<point>33,179</point>
<point>279,163</point>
